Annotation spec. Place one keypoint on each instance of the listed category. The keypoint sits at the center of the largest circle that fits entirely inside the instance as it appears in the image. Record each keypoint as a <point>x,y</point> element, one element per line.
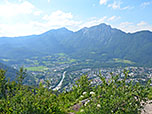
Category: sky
<point>28,17</point>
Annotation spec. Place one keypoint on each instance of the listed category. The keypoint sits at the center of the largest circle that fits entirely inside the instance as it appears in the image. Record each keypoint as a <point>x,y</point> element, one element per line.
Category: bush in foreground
<point>117,96</point>
<point>113,96</point>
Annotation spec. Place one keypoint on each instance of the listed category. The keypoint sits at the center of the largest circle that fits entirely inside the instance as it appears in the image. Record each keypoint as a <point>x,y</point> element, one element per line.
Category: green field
<point>37,68</point>
<point>117,60</point>
<point>6,60</point>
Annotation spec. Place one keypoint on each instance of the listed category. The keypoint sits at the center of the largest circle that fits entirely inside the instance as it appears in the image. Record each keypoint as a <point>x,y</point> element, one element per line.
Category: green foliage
<point>2,84</point>
<point>38,68</point>
<point>21,75</point>
<point>114,96</point>
<point>150,94</point>
<point>82,85</point>
<point>18,98</point>
<point>11,73</point>
<point>117,96</point>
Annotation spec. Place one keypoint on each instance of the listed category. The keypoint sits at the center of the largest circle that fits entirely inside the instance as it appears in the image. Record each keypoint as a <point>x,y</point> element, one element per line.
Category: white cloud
<point>17,18</point>
<point>142,23</point>
<point>20,0</point>
<point>23,29</point>
<point>36,13</point>
<point>11,9</point>
<point>58,16</point>
<point>144,4</point>
<point>103,2</point>
<point>59,19</point>
<point>124,24</point>
<point>112,18</point>
<point>115,5</point>
<point>49,1</point>
<point>17,29</point>
<point>93,22</point>
<point>55,20</point>
<point>132,27</point>
<point>127,7</point>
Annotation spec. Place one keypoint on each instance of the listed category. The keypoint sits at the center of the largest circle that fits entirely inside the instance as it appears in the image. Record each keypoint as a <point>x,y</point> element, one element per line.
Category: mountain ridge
<point>86,43</point>
<point>64,28</point>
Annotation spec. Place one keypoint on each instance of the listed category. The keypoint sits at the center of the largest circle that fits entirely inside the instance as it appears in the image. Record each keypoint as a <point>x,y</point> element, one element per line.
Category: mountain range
<point>98,43</point>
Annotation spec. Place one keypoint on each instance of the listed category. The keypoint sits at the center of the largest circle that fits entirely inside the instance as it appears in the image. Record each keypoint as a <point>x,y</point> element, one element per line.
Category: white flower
<point>81,110</point>
<point>81,96</point>
<point>98,105</point>
<point>84,93</point>
<point>86,103</point>
<point>92,93</point>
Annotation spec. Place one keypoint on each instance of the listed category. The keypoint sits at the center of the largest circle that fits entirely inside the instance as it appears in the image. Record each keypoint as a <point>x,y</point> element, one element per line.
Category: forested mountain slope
<point>100,42</point>
<point>10,72</point>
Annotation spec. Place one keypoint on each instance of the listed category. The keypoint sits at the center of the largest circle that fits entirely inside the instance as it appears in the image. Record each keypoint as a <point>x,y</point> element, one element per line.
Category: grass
<point>5,60</point>
<point>72,60</point>
<point>117,60</point>
<point>61,54</point>
<point>93,52</point>
<point>35,62</point>
<point>37,68</point>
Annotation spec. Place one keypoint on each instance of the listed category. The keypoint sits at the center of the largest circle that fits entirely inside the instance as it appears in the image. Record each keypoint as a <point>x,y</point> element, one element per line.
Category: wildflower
<point>81,96</point>
<point>92,93</point>
<point>81,110</point>
<point>98,105</point>
<point>86,103</point>
<point>84,93</point>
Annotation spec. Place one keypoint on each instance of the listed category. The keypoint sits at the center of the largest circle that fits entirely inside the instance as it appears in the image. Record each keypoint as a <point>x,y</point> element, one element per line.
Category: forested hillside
<point>12,74</point>
<point>98,43</point>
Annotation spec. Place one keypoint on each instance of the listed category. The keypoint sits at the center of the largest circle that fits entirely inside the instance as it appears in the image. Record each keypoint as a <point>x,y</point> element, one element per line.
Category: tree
<point>3,84</point>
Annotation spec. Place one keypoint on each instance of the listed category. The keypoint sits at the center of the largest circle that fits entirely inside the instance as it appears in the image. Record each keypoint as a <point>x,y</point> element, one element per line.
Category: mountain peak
<point>102,25</point>
<point>59,30</point>
<point>63,29</point>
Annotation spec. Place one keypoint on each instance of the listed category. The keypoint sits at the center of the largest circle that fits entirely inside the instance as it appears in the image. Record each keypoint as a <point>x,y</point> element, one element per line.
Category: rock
<point>147,109</point>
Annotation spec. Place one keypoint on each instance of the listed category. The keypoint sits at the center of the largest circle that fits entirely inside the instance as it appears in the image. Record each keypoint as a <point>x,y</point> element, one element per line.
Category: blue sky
<point>26,17</point>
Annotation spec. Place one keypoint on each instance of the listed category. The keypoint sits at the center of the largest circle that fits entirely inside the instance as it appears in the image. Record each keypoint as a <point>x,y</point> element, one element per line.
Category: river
<point>60,84</point>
